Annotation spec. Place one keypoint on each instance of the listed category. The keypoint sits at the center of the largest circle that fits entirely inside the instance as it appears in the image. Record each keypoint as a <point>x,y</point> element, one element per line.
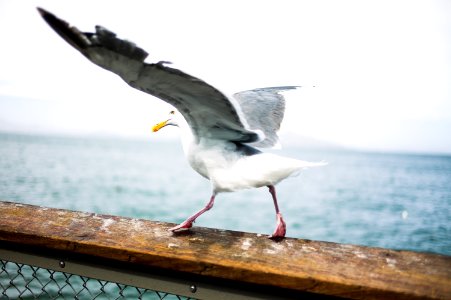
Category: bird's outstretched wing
<point>208,111</point>
<point>264,109</point>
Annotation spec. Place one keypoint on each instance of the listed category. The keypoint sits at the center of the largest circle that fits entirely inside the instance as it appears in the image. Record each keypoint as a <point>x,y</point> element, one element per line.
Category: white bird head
<point>173,120</point>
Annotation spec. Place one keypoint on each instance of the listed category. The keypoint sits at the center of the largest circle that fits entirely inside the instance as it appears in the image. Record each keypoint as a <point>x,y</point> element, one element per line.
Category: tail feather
<point>308,164</point>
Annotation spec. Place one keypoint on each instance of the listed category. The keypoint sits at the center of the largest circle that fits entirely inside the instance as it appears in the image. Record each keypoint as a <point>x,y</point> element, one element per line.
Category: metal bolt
<point>193,288</point>
<point>62,264</point>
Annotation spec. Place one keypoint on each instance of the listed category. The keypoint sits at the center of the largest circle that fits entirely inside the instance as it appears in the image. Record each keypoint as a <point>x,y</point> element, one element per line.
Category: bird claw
<point>281,228</point>
<point>186,225</point>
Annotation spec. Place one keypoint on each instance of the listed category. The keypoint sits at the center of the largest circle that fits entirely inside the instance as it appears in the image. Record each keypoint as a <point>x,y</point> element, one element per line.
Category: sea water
<point>398,201</point>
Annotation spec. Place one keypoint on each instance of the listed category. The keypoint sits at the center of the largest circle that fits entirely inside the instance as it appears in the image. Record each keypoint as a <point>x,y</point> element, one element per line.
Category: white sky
<point>381,69</point>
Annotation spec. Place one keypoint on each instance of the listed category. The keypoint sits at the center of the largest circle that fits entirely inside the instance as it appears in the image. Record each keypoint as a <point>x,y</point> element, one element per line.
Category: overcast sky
<point>381,69</point>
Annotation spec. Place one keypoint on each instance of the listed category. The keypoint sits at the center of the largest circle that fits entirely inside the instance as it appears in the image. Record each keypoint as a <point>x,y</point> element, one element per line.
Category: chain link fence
<point>21,281</point>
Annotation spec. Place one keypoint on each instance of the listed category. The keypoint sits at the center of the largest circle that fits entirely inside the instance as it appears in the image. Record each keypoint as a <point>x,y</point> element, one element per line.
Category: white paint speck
<point>106,224</point>
<point>172,246</point>
<point>84,214</point>
<point>137,224</point>
<point>159,233</point>
<point>289,244</point>
<point>247,243</point>
<point>276,249</point>
<point>360,255</point>
<point>391,262</point>
<point>269,251</point>
<point>308,249</point>
<point>195,239</point>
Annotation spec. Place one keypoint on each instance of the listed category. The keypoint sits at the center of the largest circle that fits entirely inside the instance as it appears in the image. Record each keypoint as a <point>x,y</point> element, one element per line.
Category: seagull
<point>221,135</point>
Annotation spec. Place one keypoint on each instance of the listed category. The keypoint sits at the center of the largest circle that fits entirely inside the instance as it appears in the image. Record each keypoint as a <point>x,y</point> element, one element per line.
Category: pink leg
<point>281,227</point>
<point>188,223</point>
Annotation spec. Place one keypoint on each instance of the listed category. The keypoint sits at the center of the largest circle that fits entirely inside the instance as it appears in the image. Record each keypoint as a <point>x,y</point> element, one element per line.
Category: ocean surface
<point>398,201</point>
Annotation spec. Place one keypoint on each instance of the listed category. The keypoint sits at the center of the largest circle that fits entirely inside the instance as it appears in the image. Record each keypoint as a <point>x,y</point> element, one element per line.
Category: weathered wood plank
<point>321,267</point>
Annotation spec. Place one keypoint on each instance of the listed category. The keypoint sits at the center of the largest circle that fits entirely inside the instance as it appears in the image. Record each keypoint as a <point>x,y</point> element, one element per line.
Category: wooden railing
<point>206,261</point>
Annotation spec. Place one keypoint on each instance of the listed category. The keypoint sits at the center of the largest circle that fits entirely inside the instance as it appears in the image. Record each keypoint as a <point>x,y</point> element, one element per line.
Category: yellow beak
<point>159,126</point>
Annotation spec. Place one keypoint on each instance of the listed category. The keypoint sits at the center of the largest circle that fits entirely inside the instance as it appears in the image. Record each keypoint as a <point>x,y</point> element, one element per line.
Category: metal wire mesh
<point>20,281</point>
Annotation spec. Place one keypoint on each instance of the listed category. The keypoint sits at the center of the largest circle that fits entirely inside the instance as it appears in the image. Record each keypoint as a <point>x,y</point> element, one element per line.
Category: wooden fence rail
<point>290,266</point>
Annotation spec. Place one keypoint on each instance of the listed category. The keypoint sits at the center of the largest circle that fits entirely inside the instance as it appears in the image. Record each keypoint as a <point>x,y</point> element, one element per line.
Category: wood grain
<point>326,268</point>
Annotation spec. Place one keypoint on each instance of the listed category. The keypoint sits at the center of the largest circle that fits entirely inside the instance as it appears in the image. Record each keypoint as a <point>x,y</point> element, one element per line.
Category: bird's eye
<point>172,112</point>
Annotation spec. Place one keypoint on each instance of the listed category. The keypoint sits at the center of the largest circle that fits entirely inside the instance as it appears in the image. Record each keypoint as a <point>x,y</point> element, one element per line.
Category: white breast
<point>230,170</point>
<point>208,155</point>
<point>254,171</point>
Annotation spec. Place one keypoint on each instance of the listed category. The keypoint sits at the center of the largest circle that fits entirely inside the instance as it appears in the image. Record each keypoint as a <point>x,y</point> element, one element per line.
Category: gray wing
<point>209,112</point>
<point>264,109</point>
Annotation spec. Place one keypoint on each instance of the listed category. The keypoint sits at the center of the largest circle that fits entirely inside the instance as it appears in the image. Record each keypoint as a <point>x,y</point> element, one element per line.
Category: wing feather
<point>264,109</point>
<point>208,111</point>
